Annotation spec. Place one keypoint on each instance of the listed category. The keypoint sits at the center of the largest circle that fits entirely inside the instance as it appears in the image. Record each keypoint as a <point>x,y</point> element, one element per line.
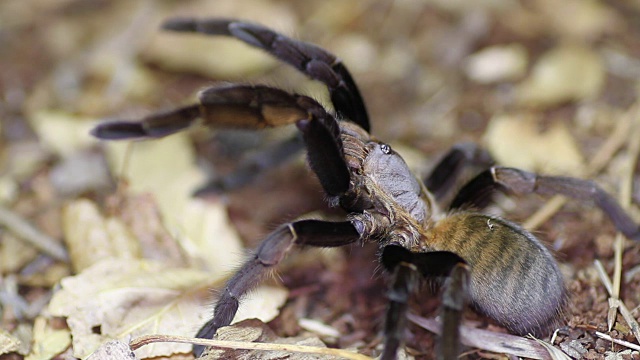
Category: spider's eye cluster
<point>385,148</point>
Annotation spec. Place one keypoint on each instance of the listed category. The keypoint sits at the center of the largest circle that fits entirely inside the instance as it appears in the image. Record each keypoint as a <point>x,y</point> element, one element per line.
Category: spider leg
<point>404,265</point>
<point>252,107</point>
<point>270,252</point>
<point>454,299</point>
<point>402,282</point>
<point>478,192</point>
<point>153,126</point>
<point>233,106</point>
<point>313,61</point>
<point>445,174</point>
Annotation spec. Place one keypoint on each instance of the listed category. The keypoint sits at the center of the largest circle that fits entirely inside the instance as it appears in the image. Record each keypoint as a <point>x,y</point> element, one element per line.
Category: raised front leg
<point>229,107</point>
<point>308,58</point>
<point>270,252</point>
<point>404,265</point>
<point>478,191</point>
<point>252,107</point>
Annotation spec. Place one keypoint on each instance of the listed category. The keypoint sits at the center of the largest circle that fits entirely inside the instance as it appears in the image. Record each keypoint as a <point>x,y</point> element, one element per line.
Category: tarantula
<point>495,265</point>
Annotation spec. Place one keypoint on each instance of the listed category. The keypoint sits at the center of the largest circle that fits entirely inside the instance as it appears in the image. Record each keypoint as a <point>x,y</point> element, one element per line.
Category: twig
<point>626,314</point>
<point>626,189</point>
<point>27,232</point>
<point>145,340</point>
<point>604,278</point>
<point>617,341</point>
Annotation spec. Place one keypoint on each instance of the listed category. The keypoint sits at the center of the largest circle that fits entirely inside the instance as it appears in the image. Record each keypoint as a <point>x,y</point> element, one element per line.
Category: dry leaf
<point>23,160</point>
<point>14,253</point>
<point>142,216</point>
<point>113,350</point>
<point>62,133</point>
<point>554,352</point>
<point>166,169</point>
<point>264,303</point>
<point>118,298</point>
<point>8,189</point>
<point>488,340</point>
<point>497,63</point>
<point>589,18</point>
<point>514,140</point>
<point>8,343</point>
<point>319,328</point>
<point>90,237</point>
<point>566,73</point>
<point>47,341</point>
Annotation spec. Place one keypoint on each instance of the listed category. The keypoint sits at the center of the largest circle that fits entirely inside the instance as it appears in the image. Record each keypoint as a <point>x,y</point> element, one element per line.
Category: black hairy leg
<point>252,107</point>
<point>408,269</point>
<point>269,254</point>
<point>478,192</point>
<point>443,177</point>
<point>308,58</point>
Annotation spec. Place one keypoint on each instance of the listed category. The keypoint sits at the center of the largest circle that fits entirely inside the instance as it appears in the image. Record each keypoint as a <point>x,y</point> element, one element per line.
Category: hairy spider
<point>498,267</point>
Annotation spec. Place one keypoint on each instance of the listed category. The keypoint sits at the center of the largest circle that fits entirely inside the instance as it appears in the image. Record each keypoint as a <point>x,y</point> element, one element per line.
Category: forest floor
<point>104,241</point>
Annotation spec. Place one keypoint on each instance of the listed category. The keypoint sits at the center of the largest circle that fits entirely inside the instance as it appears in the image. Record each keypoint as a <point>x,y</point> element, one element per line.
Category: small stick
<point>148,339</point>
<point>617,341</point>
<point>626,314</point>
<point>626,189</point>
<point>604,277</point>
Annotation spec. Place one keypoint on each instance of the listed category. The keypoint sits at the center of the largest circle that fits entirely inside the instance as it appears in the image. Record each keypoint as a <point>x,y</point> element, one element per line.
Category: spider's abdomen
<point>514,279</point>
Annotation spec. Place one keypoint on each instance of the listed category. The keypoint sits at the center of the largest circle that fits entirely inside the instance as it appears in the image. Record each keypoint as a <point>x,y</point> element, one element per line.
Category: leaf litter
<point>72,63</point>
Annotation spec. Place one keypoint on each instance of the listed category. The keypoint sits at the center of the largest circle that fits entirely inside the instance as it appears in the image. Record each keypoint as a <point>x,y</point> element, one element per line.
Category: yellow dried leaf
<point>8,343</point>
<point>516,141</point>
<point>113,350</point>
<point>24,160</point>
<point>166,169</point>
<point>589,18</point>
<point>118,299</point>
<point>8,189</point>
<point>47,341</point>
<point>14,254</point>
<point>263,304</point>
<point>497,63</point>
<point>213,243</point>
<point>90,237</point>
<point>61,132</point>
<point>142,216</point>
<point>566,73</point>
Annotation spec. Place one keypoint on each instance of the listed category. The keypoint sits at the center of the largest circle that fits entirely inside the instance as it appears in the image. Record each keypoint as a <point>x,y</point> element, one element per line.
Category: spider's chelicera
<point>496,266</point>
